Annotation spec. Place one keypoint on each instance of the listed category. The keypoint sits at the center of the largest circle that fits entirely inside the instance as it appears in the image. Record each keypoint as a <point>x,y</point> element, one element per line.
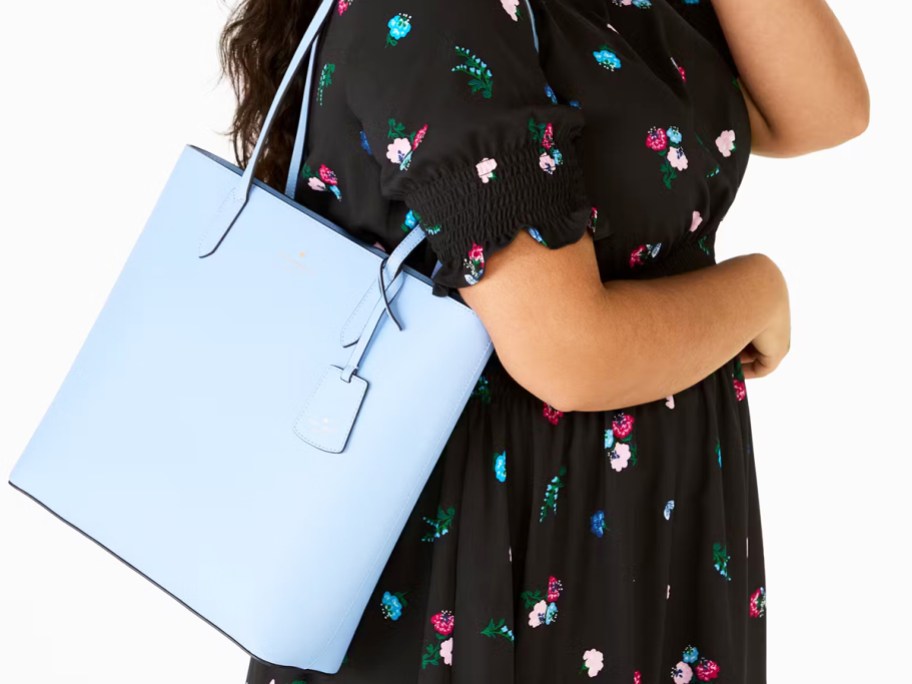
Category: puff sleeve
<point>467,130</point>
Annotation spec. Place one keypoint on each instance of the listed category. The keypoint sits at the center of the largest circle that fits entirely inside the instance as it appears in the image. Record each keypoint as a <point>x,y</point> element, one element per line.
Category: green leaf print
<point>396,129</point>
<point>530,597</point>
<point>551,493</point>
<point>325,80</point>
<point>668,173</point>
<point>720,560</point>
<point>441,525</point>
<point>431,656</point>
<point>481,77</point>
<point>498,630</point>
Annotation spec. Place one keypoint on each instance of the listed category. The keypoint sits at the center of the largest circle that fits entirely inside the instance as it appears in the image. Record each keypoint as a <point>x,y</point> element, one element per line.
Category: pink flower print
<point>636,256</point>
<point>670,401</point>
<point>656,139</point>
<point>696,220</point>
<point>620,456</point>
<point>726,142</point>
<point>551,413</point>
<point>740,389</point>
<point>593,219</point>
<point>400,150</point>
<point>324,179</point>
<point>511,8</point>
<point>681,673</point>
<point>758,603</point>
<point>549,157</point>
<point>548,138</point>
<point>667,143</point>
<point>554,588</point>
<point>707,669</point>
<point>343,5</point>
<point>676,158</point>
<point>474,264</point>
<point>622,425</point>
<point>446,651</point>
<point>536,617</point>
<point>547,163</point>
<point>485,169</point>
<point>327,175</point>
<point>636,677</point>
<point>443,622</point>
<point>593,661</point>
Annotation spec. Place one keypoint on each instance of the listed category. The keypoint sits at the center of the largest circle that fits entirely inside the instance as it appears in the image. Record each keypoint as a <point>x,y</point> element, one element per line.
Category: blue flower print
<point>674,134</point>
<point>500,466</point>
<point>690,655</point>
<point>669,507</point>
<point>607,58</point>
<point>609,438</point>
<point>536,234</point>
<point>411,220</point>
<point>597,523</point>
<point>364,144</point>
<point>399,27</point>
<point>550,93</point>
<point>575,103</point>
<point>391,605</point>
<point>643,4</point>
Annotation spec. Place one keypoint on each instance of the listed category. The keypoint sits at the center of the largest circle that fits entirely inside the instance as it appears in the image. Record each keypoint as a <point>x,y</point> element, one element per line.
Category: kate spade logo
<point>297,261</point>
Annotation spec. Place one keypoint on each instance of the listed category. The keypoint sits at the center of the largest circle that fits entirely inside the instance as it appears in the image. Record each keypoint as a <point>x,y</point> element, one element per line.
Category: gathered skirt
<point>623,546</point>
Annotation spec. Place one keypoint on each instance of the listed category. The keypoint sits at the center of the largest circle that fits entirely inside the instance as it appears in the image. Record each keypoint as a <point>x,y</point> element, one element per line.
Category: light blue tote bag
<point>257,379</point>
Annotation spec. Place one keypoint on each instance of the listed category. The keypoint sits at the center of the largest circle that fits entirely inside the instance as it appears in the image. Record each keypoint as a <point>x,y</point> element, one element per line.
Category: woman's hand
<point>762,355</point>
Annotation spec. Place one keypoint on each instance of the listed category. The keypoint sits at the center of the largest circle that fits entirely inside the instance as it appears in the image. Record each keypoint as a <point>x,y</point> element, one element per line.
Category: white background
<point>98,100</point>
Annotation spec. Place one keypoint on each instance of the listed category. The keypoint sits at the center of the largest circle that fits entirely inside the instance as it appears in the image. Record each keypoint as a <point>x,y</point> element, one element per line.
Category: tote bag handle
<point>230,208</point>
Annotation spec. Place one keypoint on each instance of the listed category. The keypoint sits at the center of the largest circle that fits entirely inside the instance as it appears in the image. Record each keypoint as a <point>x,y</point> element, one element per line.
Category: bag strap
<point>299,150</point>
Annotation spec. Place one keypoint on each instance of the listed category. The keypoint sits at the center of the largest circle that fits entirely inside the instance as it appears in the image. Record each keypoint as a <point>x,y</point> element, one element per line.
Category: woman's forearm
<point>647,339</point>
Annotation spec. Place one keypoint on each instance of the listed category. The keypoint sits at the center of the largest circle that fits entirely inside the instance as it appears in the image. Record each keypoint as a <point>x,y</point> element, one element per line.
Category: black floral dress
<point>623,546</point>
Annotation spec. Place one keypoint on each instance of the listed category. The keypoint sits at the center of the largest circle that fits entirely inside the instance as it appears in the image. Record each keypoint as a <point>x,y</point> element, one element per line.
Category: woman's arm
<point>799,75</point>
<point>583,345</point>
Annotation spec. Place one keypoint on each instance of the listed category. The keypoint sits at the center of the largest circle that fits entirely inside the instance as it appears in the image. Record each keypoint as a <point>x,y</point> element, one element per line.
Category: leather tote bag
<point>256,378</point>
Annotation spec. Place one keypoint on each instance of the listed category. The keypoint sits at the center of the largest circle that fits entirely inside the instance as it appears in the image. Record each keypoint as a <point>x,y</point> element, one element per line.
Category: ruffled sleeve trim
<point>474,210</point>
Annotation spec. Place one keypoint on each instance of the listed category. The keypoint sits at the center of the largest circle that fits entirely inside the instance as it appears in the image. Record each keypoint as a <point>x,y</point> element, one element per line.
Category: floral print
<point>392,604</point>
<point>544,610</point>
<point>726,142</point>
<point>441,525</point>
<point>324,180</point>
<point>666,142</point>
<point>400,150</point>
<point>443,623</point>
<point>579,536</point>
<point>543,135</point>
<point>399,27</point>
<point>551,491</point>
<point>692,663</point>
<point>619,441</point>
<point>607,58</point>
<point>480,77</point>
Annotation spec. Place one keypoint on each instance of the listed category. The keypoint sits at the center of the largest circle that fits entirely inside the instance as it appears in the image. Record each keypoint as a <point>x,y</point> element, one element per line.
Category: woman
<point>595,511</point>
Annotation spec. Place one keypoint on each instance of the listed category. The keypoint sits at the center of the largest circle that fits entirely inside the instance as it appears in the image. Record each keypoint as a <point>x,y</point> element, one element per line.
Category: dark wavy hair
<point>255,48</point>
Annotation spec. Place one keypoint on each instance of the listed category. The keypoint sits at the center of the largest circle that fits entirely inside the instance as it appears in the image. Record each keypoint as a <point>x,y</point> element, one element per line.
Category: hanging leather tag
<point>329,415</point>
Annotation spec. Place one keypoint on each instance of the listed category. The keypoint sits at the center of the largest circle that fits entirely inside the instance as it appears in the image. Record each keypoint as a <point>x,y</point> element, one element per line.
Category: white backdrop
<point>100,97</point>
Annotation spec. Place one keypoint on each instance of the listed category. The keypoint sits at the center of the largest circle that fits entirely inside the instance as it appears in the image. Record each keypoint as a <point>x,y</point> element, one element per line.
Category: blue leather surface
<point>171,441</point>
